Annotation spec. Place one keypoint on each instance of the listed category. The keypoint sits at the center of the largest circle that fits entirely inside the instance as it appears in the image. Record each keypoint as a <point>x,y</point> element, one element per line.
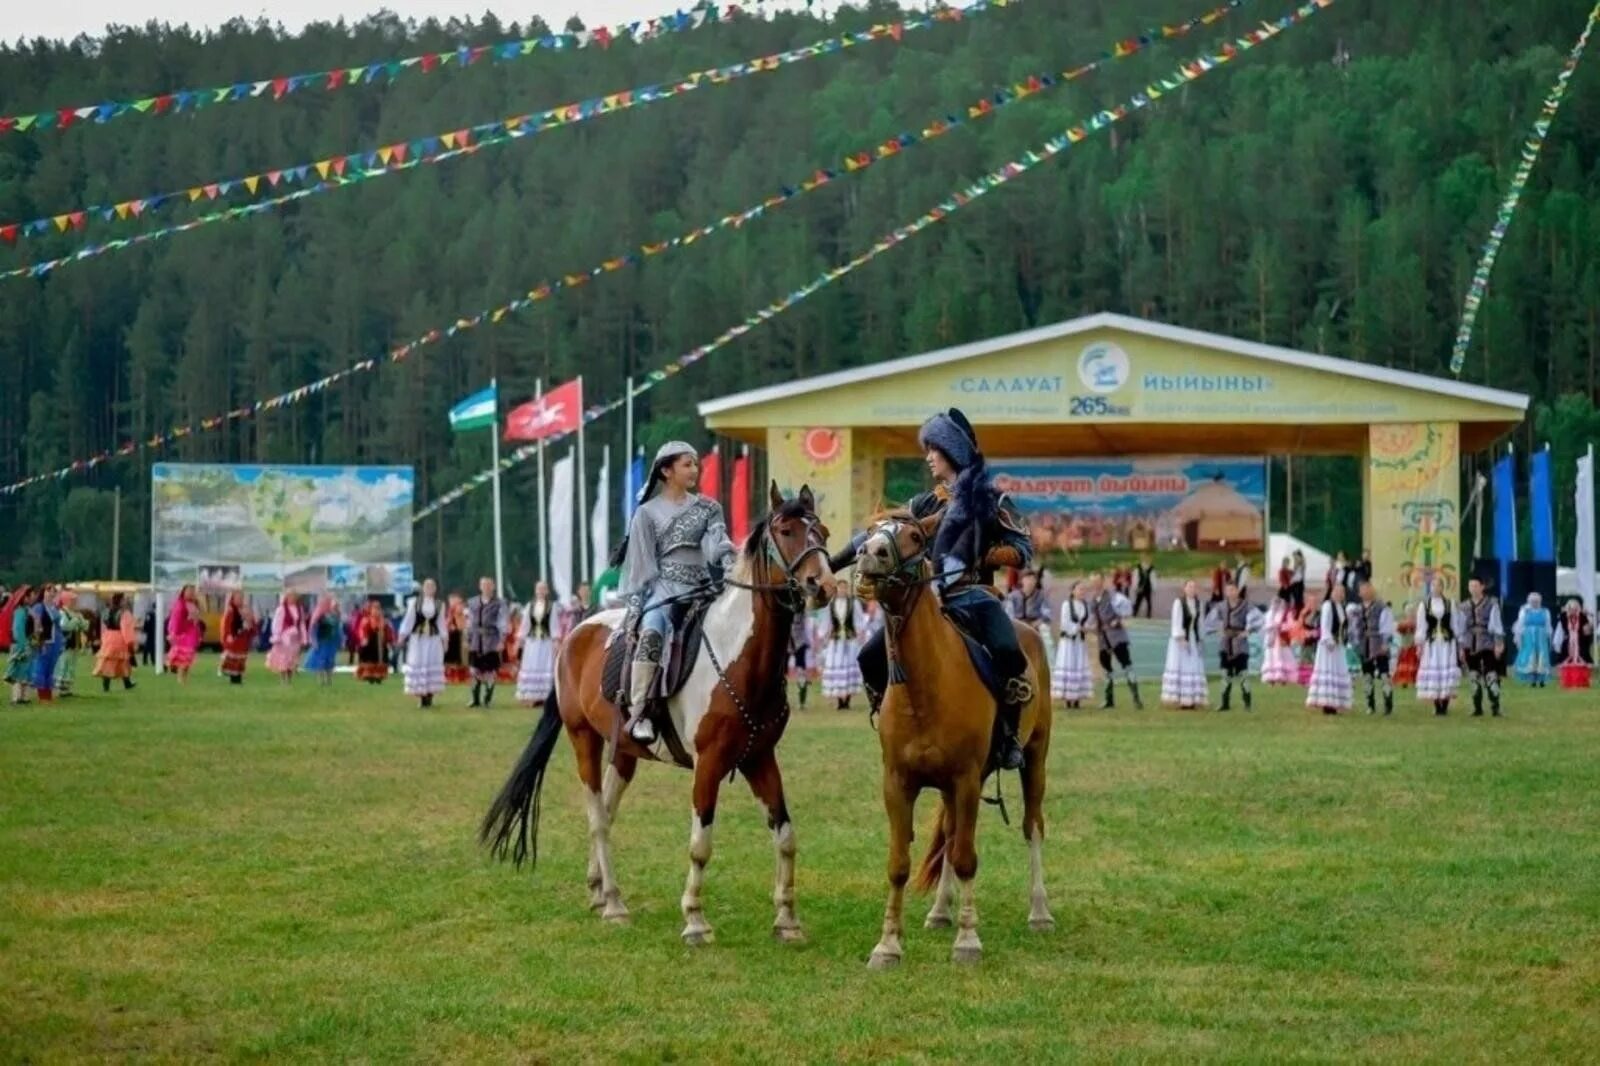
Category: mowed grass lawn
<point>291,874</point>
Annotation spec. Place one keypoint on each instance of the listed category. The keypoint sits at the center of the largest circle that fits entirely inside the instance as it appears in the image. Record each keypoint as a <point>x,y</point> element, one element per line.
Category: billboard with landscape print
<point>1187,512</point>
<point>263,528</point>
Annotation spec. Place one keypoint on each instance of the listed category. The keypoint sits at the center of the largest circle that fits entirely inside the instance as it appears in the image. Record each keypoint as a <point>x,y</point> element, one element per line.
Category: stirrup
<point>641,729</point>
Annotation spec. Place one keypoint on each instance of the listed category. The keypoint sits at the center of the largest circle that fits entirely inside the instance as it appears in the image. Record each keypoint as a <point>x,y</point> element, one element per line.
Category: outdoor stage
<point>1112,386</point>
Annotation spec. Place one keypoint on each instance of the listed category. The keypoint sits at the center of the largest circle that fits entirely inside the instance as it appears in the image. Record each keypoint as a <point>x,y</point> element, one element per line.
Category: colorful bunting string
<point>853,163</point>
<point>1188,72</point>
<point>402,155</point>
<point>383,71</point>
<point>1479,286</point>
<point>570,280</point>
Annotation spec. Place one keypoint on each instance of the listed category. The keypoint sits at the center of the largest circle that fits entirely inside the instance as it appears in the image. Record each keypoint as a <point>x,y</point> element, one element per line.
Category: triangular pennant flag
<point>251,182</point>
<point>322,167</point>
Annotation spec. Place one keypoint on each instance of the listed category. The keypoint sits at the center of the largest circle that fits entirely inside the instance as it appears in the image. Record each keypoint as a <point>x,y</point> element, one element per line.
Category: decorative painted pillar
<point>1412,502</point>
<point>866,486</point>
<point>822,458</point>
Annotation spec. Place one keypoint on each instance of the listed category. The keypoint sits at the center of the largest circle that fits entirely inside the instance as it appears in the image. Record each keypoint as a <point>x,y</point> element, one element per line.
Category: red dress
<point>1410,658</point>
<point>237,632</point>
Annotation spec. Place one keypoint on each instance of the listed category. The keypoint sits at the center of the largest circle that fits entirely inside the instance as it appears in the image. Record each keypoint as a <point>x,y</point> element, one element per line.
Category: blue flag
<point>630,487</point>
<point>1505,519</point>
<point>1539,498</point>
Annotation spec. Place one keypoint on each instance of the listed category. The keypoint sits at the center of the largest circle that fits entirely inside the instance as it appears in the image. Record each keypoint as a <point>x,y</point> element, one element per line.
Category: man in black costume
<point>979,533</point>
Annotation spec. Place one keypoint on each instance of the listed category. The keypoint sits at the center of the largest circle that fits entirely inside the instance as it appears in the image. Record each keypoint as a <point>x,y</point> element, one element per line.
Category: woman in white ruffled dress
<point>1439,671</point>
<point>1330,690</point>
<point>536,675</point>
<point>1070,681</point>
<point>1183,680</point>
<point>422,633</point>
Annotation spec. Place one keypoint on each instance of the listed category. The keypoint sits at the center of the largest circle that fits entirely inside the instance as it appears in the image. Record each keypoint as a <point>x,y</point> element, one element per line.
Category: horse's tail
<point>512,824</point>
<point>933,862</point>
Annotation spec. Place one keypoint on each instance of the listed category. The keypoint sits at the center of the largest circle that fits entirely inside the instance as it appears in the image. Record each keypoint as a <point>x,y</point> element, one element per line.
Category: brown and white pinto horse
<point>732,710</point>
<point>935,729</point>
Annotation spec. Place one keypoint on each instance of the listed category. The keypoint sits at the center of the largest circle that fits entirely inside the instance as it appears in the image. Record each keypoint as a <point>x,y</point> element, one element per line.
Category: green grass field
<point>291,874</point>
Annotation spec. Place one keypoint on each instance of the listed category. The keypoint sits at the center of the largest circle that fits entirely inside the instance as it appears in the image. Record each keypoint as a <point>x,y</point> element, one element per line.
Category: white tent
<point>1281,545</point>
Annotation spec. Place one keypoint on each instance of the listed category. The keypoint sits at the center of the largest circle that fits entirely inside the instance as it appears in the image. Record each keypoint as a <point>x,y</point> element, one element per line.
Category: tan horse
<point>935,728</point>
<point>732,711</point>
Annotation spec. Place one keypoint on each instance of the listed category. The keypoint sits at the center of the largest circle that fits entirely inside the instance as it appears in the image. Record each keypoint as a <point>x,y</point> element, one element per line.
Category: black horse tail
<point>512,825</point>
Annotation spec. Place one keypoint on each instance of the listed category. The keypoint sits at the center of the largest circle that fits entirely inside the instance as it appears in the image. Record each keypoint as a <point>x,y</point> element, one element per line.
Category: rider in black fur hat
<point>980,533</point>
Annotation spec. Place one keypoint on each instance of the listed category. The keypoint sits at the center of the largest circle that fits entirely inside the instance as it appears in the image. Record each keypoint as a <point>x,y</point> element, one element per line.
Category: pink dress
<point>183,635</point>
<point>288,637</point>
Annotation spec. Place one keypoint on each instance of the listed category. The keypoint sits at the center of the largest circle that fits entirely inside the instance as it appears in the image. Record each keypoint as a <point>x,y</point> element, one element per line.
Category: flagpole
<point>544,527</point>
<point>583,499</point>
<point>494,451</point>
<point>627,471</point>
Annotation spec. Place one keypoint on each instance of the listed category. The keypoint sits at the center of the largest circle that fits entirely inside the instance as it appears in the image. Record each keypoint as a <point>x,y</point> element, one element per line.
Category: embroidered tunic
<point>671,546</point>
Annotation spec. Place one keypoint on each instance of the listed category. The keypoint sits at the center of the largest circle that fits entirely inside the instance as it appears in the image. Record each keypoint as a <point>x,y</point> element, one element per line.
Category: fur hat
<point>951,433</point>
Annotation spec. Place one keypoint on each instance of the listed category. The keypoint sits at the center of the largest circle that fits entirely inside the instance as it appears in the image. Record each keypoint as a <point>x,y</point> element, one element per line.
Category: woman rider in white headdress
<point>676,535</point>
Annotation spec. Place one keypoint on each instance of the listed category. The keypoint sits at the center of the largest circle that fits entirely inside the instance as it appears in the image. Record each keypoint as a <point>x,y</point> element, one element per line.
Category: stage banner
<point>264,528</point>
<point>1189,514</point>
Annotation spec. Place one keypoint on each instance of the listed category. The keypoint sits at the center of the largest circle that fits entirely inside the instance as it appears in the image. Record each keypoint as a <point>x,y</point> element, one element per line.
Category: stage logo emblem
<point>1103,368</point>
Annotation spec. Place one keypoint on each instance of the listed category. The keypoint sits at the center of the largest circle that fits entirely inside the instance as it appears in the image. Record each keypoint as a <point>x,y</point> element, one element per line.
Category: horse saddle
<point>982,663</point>
<point>678,659</point>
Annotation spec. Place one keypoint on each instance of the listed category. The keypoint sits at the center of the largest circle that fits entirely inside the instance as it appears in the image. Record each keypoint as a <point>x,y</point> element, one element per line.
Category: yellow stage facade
<point>1109,385</point>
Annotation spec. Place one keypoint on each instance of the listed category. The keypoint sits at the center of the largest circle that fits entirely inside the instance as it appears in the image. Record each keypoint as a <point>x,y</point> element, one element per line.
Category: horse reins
<point>789,590</point>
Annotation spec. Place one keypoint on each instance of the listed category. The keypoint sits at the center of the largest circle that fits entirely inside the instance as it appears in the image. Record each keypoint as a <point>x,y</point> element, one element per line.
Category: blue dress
<point>49,650</point>
<point>326,639</point>
<point>1532,632</point>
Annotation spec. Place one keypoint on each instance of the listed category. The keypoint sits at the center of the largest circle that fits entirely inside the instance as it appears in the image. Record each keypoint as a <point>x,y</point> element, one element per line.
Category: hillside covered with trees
<point>1329,191</point>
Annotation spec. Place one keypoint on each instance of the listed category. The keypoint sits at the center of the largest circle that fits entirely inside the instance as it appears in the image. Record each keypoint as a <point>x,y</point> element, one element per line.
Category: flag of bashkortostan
<point>475,412</point>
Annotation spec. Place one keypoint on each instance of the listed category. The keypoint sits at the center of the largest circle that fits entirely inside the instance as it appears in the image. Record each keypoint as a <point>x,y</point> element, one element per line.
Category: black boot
<point>1133,690</point>
<point>1244,691</point>
<point>1388,699</point>
<point>1477,700</point>
<point>477,689</point>
<point>1441,708</point>
<point>127,683</point>
<point>105,684</point>
<point>1227,696</point>
<point>1372,698</point>
<point>488,694</point>
<point>1110,703</point>
<point>1008,751</point>
<point>1494,695</point>
<point>805,689</point>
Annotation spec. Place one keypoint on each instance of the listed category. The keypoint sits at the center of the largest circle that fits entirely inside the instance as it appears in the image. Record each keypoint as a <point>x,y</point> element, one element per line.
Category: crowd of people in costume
<point>434,641</point>
<point>1327,641</point>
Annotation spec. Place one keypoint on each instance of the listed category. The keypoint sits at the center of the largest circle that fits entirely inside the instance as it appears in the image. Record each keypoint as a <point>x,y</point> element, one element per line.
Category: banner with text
<point>1188,513</point>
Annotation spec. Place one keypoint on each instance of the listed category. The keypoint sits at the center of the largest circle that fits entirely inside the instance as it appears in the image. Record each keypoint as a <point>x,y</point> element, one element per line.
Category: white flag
<point>561,528</point>
<point>1583,496</point>
<point>600,519</point>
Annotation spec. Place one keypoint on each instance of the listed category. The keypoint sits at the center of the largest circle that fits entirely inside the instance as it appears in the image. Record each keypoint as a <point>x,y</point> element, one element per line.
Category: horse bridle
<point>792,595</point>
<point>899,576</point>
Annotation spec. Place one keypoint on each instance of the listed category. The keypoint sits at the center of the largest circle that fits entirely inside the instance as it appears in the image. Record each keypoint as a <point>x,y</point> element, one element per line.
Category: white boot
<point>639,727</point>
